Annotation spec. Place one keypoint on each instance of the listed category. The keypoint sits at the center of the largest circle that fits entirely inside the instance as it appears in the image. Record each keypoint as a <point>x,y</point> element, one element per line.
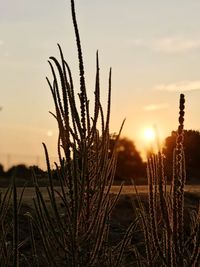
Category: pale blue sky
<point>152,46</point>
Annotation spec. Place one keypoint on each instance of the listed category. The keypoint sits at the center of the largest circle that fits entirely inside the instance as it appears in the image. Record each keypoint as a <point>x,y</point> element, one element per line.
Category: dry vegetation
<point>84,223</point>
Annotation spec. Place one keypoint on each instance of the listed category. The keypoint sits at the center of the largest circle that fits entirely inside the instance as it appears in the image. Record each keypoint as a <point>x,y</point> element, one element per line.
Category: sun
<point>149,134</point>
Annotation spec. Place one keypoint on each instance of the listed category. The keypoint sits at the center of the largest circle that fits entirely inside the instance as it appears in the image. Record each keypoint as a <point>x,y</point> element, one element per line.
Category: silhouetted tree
<point>20,171</point>
<point>192,153</point>
<point>2,173</point>
<point>38,172</point>
<point>129,161</point>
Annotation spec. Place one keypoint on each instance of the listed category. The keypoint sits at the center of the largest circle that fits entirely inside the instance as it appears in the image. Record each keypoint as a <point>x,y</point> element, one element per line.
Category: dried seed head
<point>181,116</point>
<point>179,140</point>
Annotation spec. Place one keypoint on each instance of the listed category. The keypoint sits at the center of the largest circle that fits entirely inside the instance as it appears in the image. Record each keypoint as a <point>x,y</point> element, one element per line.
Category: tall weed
<point>163,223</point>
<point>77,233</point>
<point>10,242</point>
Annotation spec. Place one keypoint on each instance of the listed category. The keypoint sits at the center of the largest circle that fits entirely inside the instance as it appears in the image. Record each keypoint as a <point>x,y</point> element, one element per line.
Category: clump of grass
<point>5,227</point>
<point>10,244</point>
<point>166,241</point>
<point>77,234</point>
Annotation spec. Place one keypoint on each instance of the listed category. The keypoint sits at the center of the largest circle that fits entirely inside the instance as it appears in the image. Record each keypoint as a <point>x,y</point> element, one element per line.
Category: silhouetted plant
<point>10,205</point>
<point>5,227</point>
<point>164,230</point>
<point>78,235</point>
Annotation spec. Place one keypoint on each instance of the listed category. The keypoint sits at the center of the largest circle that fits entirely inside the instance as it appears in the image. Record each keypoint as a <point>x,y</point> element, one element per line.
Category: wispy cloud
<point>181,86</point>
<point>153,107</point>
<point>173,45</point>
<point>169,45</point>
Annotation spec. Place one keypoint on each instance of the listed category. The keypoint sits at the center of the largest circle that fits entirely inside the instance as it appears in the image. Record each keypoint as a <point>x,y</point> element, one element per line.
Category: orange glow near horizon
<point>151,67</point>
<point>150,138</point>
<point>149,135</point>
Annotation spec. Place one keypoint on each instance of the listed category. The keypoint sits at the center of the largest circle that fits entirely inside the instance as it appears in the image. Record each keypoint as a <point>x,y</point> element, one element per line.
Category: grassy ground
<point>122,215</point>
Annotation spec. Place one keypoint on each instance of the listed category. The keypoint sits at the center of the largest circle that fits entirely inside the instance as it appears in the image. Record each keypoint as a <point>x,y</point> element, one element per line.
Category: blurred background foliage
<point>130,164</point>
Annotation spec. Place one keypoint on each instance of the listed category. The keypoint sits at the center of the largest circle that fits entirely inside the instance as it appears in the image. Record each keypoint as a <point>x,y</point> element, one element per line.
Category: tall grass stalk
<point>10,244</point>
<point>77,234</point>
<point>15,227</point>
<point>5,227</point>
<point>166,241</point>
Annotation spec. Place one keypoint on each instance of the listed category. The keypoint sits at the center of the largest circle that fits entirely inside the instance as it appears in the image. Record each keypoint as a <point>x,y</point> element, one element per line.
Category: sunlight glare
<point>149,134</point>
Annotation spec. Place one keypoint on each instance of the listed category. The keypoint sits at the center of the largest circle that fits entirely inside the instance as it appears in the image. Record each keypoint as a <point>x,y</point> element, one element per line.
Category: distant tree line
<point>21,170</point>
<point>23,175</point>
<point>130,165</point>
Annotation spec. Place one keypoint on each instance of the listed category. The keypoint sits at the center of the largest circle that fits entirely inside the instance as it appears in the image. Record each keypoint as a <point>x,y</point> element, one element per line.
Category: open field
<point>122,215</point>
<point>29,192</point>
<point>143,189</point>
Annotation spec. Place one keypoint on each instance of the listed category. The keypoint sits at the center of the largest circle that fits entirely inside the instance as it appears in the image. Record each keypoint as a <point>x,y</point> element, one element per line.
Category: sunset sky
<point>153,48</point>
